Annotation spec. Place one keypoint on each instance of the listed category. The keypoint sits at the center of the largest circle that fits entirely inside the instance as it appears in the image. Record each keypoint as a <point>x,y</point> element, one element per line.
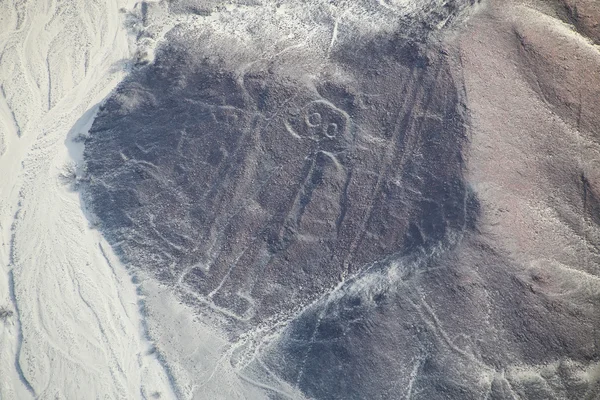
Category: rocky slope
<point>369,199</point>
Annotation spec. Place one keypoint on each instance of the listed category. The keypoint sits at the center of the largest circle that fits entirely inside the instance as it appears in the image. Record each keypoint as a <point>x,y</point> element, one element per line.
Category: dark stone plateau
<point>328,211</point>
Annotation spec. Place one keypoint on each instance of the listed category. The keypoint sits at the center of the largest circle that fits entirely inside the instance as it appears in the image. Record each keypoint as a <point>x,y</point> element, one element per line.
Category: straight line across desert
<point>320,199</point>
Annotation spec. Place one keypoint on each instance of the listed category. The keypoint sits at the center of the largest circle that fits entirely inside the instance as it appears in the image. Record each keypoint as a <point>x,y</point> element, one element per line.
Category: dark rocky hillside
<point>362,196</point>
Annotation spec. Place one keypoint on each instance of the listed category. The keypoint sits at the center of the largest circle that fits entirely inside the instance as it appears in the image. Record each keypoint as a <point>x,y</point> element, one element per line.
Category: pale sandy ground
<point>76,331</point>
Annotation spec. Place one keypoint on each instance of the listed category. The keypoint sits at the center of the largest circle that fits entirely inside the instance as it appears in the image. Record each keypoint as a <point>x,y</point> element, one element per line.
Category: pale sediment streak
<point>75,329</point>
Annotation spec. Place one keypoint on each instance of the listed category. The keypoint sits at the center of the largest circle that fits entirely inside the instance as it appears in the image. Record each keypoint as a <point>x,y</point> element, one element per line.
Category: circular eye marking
<point>314,119</point>
<point>318,120</point>
<point>332,130</point>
